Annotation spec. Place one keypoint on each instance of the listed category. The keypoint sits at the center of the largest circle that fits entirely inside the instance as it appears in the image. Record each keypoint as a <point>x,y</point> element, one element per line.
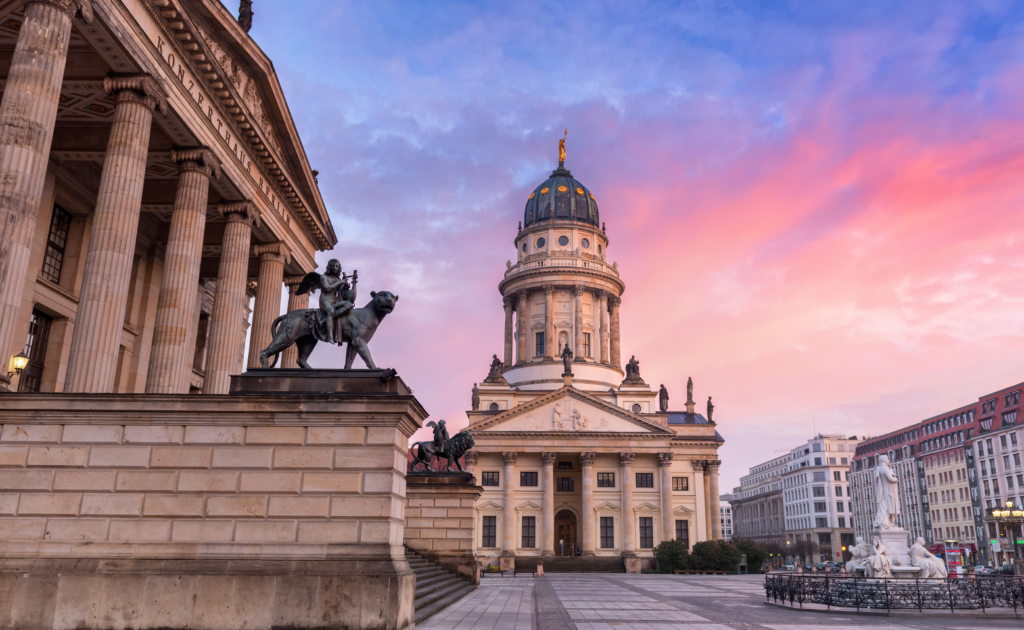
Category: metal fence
<point>906,594</point>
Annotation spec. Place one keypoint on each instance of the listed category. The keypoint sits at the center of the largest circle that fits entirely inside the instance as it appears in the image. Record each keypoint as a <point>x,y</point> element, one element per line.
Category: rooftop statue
<point>632,366</point>
<point>663,399</point>
<point>475,398</point>
<point>711,409</point>
<point>567,360</point>
<point>494,375</point>
<point>335,321</point>
<point>561,149</point>
<point>887,498</point>
<point>689,389</point>
<point>451,449</point>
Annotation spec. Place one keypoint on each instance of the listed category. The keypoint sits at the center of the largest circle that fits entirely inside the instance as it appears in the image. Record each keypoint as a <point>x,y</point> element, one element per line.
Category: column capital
<point>472,457</point>
<point>548,458</point>
<point>578,290</point>
<point>196,160</point>
<point>698,464</point>
<point>549,289</point>
<point>664,459</point>
<point>711,466</point>
<point>614,301</point>
<point>587,459</point>
<point>269,250</point>
<point>508,300</point>
<point>71,7</point>
<point>601,294</point>
<point>240,211</point>
<point>293,282</point>
<point>510,458</point>
<point>250,288</point>
<point>137,88</point>
<point>626,459</point>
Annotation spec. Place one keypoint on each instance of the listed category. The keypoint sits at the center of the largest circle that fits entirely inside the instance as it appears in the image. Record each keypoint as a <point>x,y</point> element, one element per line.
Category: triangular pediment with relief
<point>682,509</point>
<point>569,411</point>
<point>529,505</point>
<point>488,505</point>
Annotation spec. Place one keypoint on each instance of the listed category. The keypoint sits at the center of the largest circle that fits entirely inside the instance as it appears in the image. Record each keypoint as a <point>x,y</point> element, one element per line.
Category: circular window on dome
<point>579,191</point>
<point>540,243</point>
<point>563,240</point>
<point>636,408</point>
<point>543,191</point>
<point>585,243</point>
<point>562,189</point>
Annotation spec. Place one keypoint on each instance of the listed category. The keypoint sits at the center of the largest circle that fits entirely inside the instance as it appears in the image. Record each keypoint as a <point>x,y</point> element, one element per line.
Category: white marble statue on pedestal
<point>931,565</point>
<point>861,551</point>
<point>887,497</point>
<point>878,564</point>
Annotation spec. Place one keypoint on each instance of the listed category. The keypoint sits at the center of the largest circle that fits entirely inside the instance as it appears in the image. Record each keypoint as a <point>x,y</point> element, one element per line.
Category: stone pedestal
<point>439,519</point>
<point>897,545</point>
<point>633,565</point>
<point>281,505</point>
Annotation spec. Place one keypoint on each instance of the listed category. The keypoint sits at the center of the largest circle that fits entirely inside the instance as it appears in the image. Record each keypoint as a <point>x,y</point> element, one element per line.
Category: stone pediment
<point>606,506</point>
<point>646,507</point>
<point>488,505</point>
<point>529,505</point>
<point>569,411</point>
<point>682,509</point>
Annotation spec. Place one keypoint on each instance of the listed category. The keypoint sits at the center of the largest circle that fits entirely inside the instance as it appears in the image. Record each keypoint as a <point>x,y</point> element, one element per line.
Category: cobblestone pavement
<point>656,602</point>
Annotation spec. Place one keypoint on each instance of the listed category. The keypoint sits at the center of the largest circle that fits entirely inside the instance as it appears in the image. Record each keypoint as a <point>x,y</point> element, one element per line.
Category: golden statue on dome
<point>561,150</point>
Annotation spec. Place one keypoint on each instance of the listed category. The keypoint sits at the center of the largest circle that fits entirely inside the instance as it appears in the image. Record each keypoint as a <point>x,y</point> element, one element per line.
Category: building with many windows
<point>901,448</point>
<point>757,503</point>
<point>725,512</point>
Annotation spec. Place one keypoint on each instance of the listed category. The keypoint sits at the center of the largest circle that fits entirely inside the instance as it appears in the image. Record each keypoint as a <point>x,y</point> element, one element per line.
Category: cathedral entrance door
<point>565,533</point>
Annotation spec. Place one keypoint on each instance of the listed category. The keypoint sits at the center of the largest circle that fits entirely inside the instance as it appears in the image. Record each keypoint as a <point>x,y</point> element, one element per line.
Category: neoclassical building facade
<point>152,182</point>
<point>586,464</point>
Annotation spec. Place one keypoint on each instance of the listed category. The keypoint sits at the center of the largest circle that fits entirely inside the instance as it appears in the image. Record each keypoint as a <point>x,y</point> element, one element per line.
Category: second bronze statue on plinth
<point>335,321</point>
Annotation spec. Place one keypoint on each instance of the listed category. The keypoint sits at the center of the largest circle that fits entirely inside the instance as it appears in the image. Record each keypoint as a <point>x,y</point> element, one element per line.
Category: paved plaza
<point>654,602</point>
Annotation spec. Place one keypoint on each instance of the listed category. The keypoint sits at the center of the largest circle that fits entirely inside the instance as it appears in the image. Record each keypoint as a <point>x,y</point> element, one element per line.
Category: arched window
<point>565,515</point>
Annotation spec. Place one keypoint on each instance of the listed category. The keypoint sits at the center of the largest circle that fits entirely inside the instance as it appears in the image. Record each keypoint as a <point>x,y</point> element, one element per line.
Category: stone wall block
<point>112,504</point>
<point>446,523</point>
<point>11,456</point>
<point>420,502</point>
<point>271,481</point>
<point>31,433</point>
<point>419,522</point>
<point>447,503</point>
<point>368,457</point>
<point>458,533</point>
<point>382,482</point>
<point>153,435</point>
<point>91,433</point>
<point>139,529</point>
<point>145,482</point>
<point>336,435</point>
<point>306,507</point>
<point>295,602</point>
<point>208,481</point>
<point>102,480</point>
<point>202,530</point>
<point>362,507</point>
<point>386,435</point>
<point>51,504</point>
<point>275,435</point>
<point>181,456</point>
<point>58,455</point>
<point>374,532</point>
<point>84,529</point>
<point>22,528</point>
<point>333,531</point>
<point>459,512</point>
<point>119,456</point>
<point>242,457</point>
<point>26,480</point>
<point>321,482</point>
<point>431,533</point>
<point>214,435</point>
<point>266,531</point>
<point>167,601</point>
<point>172,505</point>
<point>9,504</point>
<point>412,512</point>
<point>446,544</point>
<point>303,457</point>
<point>245,506</point>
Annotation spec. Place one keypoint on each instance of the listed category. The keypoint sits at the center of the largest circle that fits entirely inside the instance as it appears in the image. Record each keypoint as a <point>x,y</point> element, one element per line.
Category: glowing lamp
<point>18,363</point>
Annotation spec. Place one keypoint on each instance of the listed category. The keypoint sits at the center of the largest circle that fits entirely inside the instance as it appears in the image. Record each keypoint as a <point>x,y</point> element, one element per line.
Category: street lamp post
<point>1009,517</point>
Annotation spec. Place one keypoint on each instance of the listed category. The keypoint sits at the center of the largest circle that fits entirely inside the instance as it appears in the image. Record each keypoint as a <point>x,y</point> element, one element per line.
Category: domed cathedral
<point>580,460</point>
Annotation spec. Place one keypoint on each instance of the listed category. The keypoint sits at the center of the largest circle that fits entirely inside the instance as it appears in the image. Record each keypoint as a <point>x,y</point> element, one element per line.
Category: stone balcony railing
<point>556,262</point>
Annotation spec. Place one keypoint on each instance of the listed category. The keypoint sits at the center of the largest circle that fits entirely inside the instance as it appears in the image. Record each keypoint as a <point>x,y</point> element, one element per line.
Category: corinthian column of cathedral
<point>576,456</point>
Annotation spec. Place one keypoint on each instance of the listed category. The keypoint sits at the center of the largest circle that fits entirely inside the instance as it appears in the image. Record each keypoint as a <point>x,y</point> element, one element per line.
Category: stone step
<point>424,573</point>
<point>438,592</point>
<point>422,585</point>
<point>440,604</point>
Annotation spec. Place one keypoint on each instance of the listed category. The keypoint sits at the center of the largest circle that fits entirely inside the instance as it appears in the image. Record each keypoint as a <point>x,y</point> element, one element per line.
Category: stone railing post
<point>170,362</point>
<point>273,258</point>
<point>92,361</point>
<point>27,117</point>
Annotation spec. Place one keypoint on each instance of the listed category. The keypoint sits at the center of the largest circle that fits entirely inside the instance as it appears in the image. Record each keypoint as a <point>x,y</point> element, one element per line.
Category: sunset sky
<point>816,207</point>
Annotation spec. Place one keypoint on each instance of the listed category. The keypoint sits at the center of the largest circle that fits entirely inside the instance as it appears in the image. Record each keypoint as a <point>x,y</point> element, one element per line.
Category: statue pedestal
<point>897,547</point>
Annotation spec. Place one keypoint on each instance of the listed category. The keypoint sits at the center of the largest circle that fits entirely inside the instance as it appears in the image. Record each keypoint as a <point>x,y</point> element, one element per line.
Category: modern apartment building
<point>725,513</point>
<point>757,507</point>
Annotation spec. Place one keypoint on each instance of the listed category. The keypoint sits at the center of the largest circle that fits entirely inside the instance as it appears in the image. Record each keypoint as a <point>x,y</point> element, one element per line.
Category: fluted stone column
<point>471,458</point>
<point>508,518</point>
<point>587,463</point>
<point>548,505</point>
<point>521,326</point>
<point>227,321</point>
<point>668,530</point>
<point>550,344</point>
<point>27,116</point>
<point>290,356</point>
<point>577,291</point>
<point>709,518</point>
<point>108,265</point>
<point>628,547</point>
<point>715,504</point>
<point>267,308</point>
<point>170,362</point>
<point>613,324</point>
<point>600,301</point>
<point>509,303</point>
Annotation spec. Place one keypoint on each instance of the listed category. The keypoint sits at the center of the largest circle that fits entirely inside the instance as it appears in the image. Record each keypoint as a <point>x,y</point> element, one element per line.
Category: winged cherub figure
<point>336,297</point>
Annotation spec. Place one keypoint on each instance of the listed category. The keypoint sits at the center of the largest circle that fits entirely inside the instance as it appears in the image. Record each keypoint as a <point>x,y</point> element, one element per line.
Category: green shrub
<point>755,552</point>
<point>715,555</point>
<point>672,555</point>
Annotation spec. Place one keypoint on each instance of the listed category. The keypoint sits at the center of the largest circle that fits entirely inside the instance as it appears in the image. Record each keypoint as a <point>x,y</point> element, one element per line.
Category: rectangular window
<point>821,522</point>
<point>842,522</point>
<point>832,462</point>
<point>529,532</point>
<point>819,476</point>
<point>528,479</point>
<point>646,532</point>
<point>605,480</point>
<point>56,241</point>
<point>564,465</point>
<point>35,349</point>
<point>565,484</point>
<point>489,478</point>
<point>680,484</point>
<point>539,345</point>
<point>607,532</point>
<point>837,475</point>
<point>683,532</point>
<point>839,506</point>
<point>820,506</point>
<point>490,532</point>
<point>818,491</point>
<point>645,480</point>
<point>839,491</point>
<point>586,344</point>
<point>1002,441</point>
<point>1013,439</point>
<point>817,461</point>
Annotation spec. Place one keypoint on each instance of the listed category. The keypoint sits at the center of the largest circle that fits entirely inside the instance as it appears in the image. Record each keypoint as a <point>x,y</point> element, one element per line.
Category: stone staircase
<point>436,587</point>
